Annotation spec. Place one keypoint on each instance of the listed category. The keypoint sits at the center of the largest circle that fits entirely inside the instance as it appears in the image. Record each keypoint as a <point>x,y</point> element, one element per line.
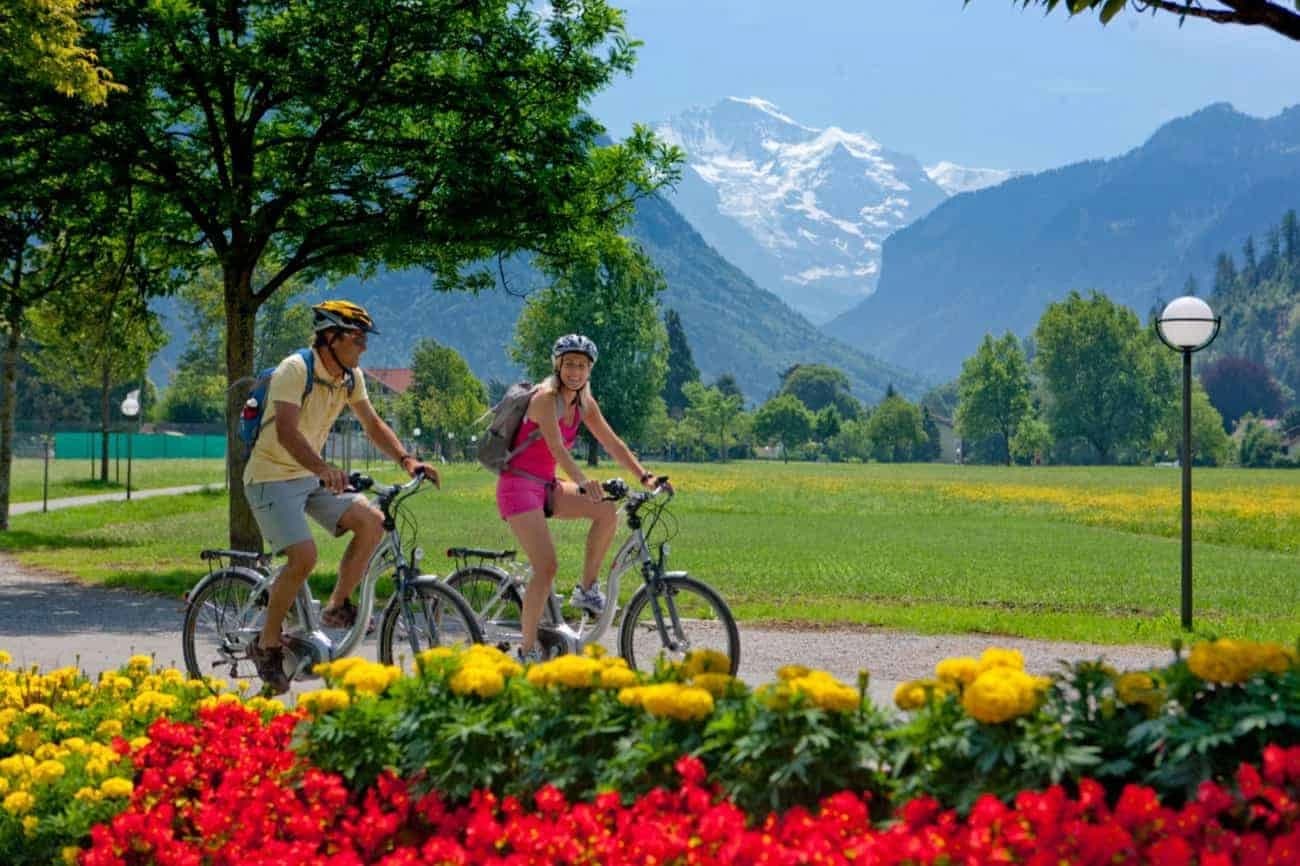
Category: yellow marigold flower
<point>75,745</point>
<point>259,704</point>
<point>438,653</point>
<point>138,743</point>
<point>5,658</point>
<point>632,696</point>
<point>575,672</point>
<point>27,741</point>
<point>117,787</point>
<point>38,710</point>
<point>19,803</point>
<point>774,696</point>
<point>594,651</point>
<point>960,671</point>
<point>88,795</point>
<point>4,785</point>
<point>826,692</point>
<point>48,771</point>
<point>482,680</point>
<point>370,678</point>
<point>675,701</point>
<point>615,677</point>
<point>108,729</point>
<point>790,672</point>
<point>714,684</point>
<point>911,695</point>
<point>705,661</point>
<point>1001,694</point>
<point>96,767</point>
<point>1140,689</point>
<point>70,853</point>
<point>324,700</point>
<point>151,702</point>
<point>30,823</point>
<point>339,668</point>
<point>997,657</point>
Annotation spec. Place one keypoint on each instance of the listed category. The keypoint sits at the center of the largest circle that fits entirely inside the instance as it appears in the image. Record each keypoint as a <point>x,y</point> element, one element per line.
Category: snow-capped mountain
<point>954,179</point>
<point>802,210</point>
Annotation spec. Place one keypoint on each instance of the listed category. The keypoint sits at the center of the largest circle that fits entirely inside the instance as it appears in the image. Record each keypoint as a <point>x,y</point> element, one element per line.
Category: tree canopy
<point>783,419</point>
<point>818,386</point>
<point>43,40</point>
<point>681,365</point>
<point>615,303</point>
<point>994,392</point>
<point>1252,13</point>
<point>714,410</point>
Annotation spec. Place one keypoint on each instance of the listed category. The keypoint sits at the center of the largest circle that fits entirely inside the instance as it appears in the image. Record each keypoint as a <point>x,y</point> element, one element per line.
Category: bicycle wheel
<point>436,613</point>
<point>221,620</point>
<point>694,618</point>
<point>495,601</point>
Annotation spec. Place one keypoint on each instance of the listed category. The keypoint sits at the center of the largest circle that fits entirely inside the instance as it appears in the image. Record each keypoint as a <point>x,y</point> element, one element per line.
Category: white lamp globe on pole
<point>130,408</point>
<point>1186,325</point>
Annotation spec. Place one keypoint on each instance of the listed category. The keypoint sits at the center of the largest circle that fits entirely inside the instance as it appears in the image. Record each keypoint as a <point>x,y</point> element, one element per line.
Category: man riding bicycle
<point>286,478</point>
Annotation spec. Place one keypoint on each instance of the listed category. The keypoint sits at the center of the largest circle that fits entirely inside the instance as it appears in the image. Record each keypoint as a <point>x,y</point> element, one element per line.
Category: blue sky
<point>988,85</point>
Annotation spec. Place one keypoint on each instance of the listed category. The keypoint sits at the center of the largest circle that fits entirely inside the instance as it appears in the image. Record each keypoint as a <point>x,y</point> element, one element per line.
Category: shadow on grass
<point>94,485</point>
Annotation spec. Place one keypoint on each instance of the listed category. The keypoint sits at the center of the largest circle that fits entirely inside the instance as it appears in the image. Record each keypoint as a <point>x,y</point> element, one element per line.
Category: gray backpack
<point>494,444</point>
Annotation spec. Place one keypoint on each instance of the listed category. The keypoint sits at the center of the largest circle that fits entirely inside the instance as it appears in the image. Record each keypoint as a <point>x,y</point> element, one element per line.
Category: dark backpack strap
<point>308,358</point>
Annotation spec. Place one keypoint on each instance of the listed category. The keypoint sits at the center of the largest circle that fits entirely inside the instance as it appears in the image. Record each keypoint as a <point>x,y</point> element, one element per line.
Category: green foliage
<point>1108,380</point>
<point>994,392</point>
<point>932,448</point>
<point>818,386</point>
<point>614,302</point>
<point>783,419</point>
<point>445,399</point>
<point>895,430</point>
<point>1211,446</point>
<point>827,423</point>
<point>1261,445</point>
<point>42,39</point>
<point>713,412</point>
<point>681,365</point>
<point>1032,441</point>
<point>851,443</point>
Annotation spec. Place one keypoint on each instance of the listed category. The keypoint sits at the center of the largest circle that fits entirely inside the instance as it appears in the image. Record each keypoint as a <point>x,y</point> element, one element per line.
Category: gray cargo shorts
<point>281,508</point>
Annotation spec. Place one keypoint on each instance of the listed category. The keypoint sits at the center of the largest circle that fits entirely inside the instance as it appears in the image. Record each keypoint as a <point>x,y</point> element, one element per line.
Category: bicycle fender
<point>251,573</point>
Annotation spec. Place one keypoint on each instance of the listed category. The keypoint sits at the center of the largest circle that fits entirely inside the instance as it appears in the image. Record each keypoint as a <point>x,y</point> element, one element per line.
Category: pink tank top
<point>537,459</point>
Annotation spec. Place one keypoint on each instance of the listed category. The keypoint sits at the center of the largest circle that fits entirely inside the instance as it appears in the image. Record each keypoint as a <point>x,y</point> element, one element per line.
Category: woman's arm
<point>610,441</point>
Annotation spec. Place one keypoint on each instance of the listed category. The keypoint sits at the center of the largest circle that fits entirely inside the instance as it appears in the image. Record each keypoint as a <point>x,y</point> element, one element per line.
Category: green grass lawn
<point>1062,553</point>
<point>73,477</point>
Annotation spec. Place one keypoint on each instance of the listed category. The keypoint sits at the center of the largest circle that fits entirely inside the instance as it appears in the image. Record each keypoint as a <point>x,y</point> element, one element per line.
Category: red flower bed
<point>230,791</point>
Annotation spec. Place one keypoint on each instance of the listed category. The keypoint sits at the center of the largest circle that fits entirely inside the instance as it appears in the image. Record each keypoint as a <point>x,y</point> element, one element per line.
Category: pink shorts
<point>516,495</point>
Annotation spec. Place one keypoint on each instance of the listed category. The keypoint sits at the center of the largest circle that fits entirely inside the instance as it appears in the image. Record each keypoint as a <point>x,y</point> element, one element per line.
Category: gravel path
<point>51,621</point>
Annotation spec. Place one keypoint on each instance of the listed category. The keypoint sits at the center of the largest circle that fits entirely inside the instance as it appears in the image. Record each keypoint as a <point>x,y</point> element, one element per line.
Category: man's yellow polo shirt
<point>270,461</point>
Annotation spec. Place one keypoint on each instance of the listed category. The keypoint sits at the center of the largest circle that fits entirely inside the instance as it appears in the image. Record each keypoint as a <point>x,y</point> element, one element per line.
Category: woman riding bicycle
<point>528,491</point>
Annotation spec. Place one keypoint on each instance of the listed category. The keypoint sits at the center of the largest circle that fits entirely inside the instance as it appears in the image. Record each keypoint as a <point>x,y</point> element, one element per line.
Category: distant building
<point>388,381</point>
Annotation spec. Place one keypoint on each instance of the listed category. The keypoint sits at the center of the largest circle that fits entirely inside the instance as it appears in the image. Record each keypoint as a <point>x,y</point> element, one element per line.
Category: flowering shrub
<point>231,791</point>
<point>64,743</point>
<point>984,725</point>
<point>475,720</point>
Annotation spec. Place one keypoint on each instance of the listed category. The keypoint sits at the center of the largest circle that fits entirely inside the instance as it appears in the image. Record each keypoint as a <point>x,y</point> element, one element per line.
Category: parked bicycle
<point>226,609</point>
<point>672,613</point>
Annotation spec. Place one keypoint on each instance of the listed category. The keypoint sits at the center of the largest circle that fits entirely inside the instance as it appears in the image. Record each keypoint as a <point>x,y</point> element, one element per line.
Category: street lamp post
<point>130,408</point>
<point>1187,325</point>
<point>415,434</point>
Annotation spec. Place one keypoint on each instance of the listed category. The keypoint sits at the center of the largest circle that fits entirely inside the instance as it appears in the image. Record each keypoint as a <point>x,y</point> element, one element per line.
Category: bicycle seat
<point>463,552</point>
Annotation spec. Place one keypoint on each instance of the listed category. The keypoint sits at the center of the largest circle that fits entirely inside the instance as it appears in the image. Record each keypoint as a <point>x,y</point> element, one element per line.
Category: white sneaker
<point>591,600</point>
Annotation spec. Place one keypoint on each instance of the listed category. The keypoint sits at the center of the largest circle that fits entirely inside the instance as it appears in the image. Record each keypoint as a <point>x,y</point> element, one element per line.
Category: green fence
<point>79,445</point>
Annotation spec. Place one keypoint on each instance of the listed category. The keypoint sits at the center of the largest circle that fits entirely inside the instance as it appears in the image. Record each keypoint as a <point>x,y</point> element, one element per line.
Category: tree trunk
<point>241,312</point>
<point>722,444</point>
<point>8,396</point>
<point>105,417</point>
<point>593,452</point>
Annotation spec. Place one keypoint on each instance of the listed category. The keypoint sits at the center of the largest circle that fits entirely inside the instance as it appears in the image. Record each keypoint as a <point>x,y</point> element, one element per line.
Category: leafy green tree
<point>43,39</point>
<point>99,336</point>
<point>336,137</point>
<point>818,386</point>
<point>445,394</point>
<point>993,391</point>
<point>1109,380</point>
<point>713,412</point>
<point>827,423</point>
<point>895,430</point>
<point>1239,386</point>
<point>783,419</point>
<point>615,303</point>
<point>1211,446</point>
<point>727,384</point>
<point>1261,445</point>
<point>681,365</point>
<point>1033,439</point>
<point>932,448</point>
<point>59,210</point>
<point>851,443</point>
<point>1254,13</point>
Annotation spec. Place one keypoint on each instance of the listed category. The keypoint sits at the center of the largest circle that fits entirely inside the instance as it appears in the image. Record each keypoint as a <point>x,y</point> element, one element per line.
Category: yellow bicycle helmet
<point>342,314</point>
